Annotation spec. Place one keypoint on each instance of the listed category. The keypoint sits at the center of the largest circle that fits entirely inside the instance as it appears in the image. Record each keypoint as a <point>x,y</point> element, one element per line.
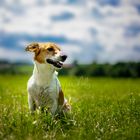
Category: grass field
<point>102,108</point>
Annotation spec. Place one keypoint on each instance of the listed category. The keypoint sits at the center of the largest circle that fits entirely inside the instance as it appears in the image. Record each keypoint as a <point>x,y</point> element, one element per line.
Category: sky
<point>105,31</point>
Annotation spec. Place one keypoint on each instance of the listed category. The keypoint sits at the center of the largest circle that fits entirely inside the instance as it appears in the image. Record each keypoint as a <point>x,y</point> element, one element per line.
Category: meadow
<point>102,109</point>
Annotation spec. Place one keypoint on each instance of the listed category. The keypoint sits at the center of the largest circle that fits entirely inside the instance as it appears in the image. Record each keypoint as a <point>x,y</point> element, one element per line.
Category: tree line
<point>120,69</point>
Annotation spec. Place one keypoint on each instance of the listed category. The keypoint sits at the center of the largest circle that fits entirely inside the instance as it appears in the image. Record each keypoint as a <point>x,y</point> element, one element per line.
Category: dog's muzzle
<point>57,64</point>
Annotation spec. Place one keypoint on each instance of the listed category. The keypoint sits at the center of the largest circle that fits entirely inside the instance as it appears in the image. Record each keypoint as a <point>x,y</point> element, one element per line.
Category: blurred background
<point>101,37</point>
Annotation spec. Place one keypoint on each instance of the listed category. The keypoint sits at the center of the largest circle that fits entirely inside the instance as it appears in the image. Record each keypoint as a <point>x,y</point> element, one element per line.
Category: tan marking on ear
<point>61,98</point>
<point>33,47</point>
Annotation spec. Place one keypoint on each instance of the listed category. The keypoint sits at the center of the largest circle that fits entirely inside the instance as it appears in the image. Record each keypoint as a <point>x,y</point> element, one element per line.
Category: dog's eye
<point>34,47</point>
<point>50,49</point>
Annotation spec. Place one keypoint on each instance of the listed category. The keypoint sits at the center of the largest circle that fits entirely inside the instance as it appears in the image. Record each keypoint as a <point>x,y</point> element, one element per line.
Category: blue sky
<point>87,30</point>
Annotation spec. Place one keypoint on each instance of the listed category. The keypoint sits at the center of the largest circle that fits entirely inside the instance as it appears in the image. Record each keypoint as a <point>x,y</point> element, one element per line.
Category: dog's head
<point>47,53</point>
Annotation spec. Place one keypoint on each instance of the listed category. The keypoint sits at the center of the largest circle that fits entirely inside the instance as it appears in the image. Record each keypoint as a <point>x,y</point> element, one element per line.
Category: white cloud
<point>37,20</point>
<point>130,2</point>
<point>14,55</point>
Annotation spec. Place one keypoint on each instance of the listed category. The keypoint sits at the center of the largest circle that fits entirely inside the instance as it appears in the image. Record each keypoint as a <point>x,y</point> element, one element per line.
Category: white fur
<point>43,88</point>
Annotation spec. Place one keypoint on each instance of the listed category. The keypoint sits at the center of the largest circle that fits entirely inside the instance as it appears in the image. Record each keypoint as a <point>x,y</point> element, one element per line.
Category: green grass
<point>102,108</point>
<point>24,69</point>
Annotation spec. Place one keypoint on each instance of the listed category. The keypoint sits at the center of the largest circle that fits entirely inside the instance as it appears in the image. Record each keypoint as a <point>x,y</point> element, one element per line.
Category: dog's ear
<point>33,47</point>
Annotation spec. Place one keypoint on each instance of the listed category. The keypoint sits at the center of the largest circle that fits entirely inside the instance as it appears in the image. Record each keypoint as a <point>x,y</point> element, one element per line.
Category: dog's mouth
<point>55,63</point>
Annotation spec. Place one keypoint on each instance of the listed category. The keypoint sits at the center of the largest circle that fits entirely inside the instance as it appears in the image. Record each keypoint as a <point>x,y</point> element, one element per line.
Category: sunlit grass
<point>102,108</point>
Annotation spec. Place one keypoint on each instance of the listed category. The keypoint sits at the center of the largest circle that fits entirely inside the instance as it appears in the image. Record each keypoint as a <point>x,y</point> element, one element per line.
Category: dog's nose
<point>63,57</point>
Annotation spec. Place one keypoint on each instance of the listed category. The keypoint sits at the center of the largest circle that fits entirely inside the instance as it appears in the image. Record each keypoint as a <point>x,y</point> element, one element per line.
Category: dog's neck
<point>43,74</point>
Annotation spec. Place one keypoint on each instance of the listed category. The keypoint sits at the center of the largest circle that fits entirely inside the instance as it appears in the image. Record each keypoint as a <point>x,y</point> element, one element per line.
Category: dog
<point>44,89</point>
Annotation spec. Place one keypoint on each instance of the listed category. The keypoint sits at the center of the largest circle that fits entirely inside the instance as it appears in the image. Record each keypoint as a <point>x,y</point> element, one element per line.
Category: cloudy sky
<point>87,30</point>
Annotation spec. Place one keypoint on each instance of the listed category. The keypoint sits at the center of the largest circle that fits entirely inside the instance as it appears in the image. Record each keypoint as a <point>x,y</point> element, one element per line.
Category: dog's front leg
<point>54,107</point>
<point>31,103</point>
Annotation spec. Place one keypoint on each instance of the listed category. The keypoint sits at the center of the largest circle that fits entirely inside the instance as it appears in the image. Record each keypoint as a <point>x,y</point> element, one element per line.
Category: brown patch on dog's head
<point>43,50</point>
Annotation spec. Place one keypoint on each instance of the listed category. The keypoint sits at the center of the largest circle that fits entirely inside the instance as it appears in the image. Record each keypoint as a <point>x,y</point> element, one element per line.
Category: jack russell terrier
<point>44,89</point>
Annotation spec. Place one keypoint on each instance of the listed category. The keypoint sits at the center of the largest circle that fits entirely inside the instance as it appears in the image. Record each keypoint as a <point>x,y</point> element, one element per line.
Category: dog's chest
<point>43,96</point>
<point>42,89</point>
